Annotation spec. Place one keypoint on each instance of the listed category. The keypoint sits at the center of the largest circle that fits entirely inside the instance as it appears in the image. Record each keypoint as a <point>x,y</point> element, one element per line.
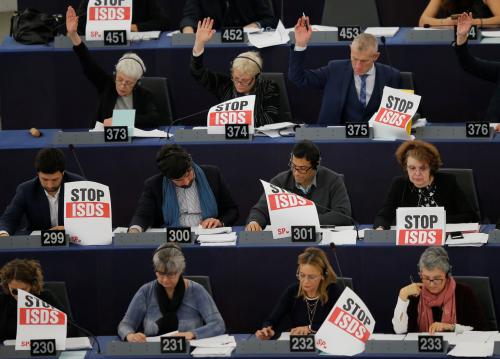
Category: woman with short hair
<point>120,91</point>
<point>423,186</point>
<point>307,302</point>
<point>438,303</point>
<point>171,303</point>
<point>244,80</point>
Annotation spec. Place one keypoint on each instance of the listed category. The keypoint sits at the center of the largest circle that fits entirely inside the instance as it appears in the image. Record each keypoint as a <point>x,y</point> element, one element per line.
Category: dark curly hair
<point>421,151</point>
<point>23,270</point>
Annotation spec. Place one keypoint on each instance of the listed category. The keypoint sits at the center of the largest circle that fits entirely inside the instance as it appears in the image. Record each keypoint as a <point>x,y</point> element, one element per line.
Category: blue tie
<point>362,91</point>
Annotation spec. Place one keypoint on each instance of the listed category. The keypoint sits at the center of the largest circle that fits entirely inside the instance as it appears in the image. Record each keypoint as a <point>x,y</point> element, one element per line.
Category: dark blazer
<point>146,113</point>
<point>335,79</point>
<point>148,15</point>
<point>228,13</point>
<point>31,202</point>
<point>467,307</point>
<point>149,209</point>
<point>486,70</point>
<point>448,195</point>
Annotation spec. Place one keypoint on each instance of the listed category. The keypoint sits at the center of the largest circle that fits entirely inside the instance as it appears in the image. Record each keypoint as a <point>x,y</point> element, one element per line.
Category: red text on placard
<point>287,200</point>
<point>87,209</point>
<point>106,13</point>
<point>420,237</point>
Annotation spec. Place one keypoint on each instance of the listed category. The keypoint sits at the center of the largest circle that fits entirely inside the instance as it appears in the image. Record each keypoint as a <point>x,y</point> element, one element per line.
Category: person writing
<point>438,303</point>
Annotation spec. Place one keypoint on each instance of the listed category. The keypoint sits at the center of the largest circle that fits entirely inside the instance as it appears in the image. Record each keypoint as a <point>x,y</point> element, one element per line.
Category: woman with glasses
<point>120,91</point>
<point>423,186</point>
<point>25,274</point>
<point>171,303</point>
<point>244,79</point>
<point>438,303</point>
<point>307,302</point>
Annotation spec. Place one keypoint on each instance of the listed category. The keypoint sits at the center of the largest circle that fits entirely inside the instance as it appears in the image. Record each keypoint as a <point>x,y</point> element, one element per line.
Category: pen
<point>304,16</point>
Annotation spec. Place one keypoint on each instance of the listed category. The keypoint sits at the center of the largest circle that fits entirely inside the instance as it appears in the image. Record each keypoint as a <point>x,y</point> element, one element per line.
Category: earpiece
<point>166,246</point>
<point>133,59</point>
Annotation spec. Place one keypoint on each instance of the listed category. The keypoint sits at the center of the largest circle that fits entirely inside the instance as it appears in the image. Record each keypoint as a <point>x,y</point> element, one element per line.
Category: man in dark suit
<point>183,194</point>
<point>352,89</point>
<point>41,199</point>
<point>241,13</point>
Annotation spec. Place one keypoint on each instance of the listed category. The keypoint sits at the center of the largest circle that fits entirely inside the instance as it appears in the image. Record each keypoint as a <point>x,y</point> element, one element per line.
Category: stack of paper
<point>222,345</point>
<point>337,236</point>
<point>469,240</point>
<point>269,38</point>
<point>144,35</point>
<point>472,350</point>
<point>157,339</point>
<point>277,129</point>
<point>199,230</point>
<point>221,239</point>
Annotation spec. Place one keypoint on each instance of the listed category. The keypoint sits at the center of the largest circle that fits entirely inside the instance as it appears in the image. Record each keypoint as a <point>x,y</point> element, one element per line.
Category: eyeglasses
<point>414,169</point>
<point>436,281</point>
<point>171,275</point>
<point>243,82</point>
<point>309,277</point>
<point>125,83</point>
<point>299,169</point>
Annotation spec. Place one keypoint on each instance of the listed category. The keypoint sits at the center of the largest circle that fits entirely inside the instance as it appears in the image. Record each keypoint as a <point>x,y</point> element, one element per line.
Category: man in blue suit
<point>352,89</point>
<point>41,199</point>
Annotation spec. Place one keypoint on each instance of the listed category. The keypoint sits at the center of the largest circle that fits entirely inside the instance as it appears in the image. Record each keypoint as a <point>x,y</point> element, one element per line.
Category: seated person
<point>308,179</point>
<point>423,186</point>
<point>352,88</point>
<point>308,302</point>
<point>183,194</point>
<point>444,12</point>
<point>438,303</point>
<point>484,69</point>
<point>41,199</point>
<point>244,79</point>
<point>238,13</point>
<point>25,274</point>
<point>147,15</point>
<point>120,91</point>
<point>171,303</point>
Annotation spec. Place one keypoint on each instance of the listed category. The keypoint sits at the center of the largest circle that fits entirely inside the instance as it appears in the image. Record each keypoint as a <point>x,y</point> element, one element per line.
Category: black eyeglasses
<point>299,169</point>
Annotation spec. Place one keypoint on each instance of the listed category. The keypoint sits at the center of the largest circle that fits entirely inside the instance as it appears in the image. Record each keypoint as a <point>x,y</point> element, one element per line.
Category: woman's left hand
<point>305,330</point>
<point>187,335</point>
<point>441,327</point>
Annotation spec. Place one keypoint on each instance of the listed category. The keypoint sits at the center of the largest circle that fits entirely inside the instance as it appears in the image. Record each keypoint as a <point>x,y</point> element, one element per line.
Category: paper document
<point>198,230</point>
<point>490,33</point>
<point>472,350</point>
<point>144,35</point>
<point>200,352</point>
<point>448,336</point>
<point>224,340</point>
<point>284,336</point>
<point>469,240</point>
<point>382,31</point>
<point>278,129</point>
<point>338,237</point>
<point>217,238</point>
<point>157,339</point>
<point>120,230</point>
<point>269,38</point>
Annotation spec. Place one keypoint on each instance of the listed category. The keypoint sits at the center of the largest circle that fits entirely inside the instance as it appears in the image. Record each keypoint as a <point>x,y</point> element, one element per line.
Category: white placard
<point>288,209</point>
<point>347,327</point>
<point>107,15</point>
<point>393,118</point>
<point>87,213</point>
<point>38,320</point>
<point>233,112</point>
<point>420,226</point>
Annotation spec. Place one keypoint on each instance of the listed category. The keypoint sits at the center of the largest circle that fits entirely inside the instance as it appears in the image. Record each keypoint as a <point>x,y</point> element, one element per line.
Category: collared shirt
<point>370,83</point>
<point>306,190</point>
<point>189,206</point>
<point>54,207</point>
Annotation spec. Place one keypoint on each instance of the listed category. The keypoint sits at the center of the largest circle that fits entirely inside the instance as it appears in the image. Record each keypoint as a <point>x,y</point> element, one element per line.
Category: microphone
<point>183,118</point>
<point>334,251</point>
<point>87,332</point>
<point>73,151</point>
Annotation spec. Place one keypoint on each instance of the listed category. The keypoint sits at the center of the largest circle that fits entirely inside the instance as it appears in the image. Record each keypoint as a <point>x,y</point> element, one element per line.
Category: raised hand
<point>464,23</point>
<point>72,26</point>
<point>204,33</point>
<point>303,31</point>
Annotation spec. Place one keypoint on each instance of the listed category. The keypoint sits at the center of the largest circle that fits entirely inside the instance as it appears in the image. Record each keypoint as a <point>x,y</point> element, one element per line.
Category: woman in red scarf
<point>437,303</point>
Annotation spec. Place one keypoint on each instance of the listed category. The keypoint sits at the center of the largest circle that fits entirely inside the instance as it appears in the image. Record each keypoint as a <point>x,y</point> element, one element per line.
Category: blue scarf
<point>170,207</point>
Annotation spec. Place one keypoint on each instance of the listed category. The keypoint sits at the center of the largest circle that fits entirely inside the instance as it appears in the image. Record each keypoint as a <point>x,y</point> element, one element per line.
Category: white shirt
<point>370,83</point>
<point>54,207</point>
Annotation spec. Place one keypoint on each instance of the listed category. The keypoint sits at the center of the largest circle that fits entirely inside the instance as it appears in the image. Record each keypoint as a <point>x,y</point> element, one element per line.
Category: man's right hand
<point>265,333</point>
<point>136,338</point>
<point>204,33</point>
<point>253,227</point>
<point>464,23</point>
<point>303,31</point>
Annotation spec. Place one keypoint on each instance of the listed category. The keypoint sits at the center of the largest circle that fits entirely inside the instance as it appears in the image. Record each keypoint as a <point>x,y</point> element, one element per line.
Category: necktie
<point>362,91</point>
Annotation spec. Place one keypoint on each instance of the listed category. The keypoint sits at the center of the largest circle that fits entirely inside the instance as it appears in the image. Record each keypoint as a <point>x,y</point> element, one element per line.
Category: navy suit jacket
<point>31,202</point>
<point>149,212</point>
<point>334,79</point>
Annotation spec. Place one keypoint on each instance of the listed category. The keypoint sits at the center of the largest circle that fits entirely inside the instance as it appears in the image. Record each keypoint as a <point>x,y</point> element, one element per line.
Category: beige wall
<point>4,24</point>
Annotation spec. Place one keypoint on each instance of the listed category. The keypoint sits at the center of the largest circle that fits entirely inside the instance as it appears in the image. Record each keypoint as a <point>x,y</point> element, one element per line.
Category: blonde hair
<point>317,258</point>
<point>246,62</point>
<point>131,65</point>
<point>364,42</point>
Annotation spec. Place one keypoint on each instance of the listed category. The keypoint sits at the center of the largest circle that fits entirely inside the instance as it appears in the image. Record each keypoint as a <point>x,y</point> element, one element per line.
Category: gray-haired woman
<point>438,303</point>
<point>119,91</point>
<point>171,303</point>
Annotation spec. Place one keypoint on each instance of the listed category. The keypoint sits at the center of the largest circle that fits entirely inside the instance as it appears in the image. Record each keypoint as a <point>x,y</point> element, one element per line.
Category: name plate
<point>303,233</point>
<point>357,130</point>
<point>115,37</point>
<point>232,35</point>
<point>42,347</point>
<point>116,134</point>
<point>477,129</point>
<point>179,235</point>
<point>26,241</point>
<point>430,344</point>
<point>327,133</point>
<point>173,345</point>
<point>302,344</point>
<point>54,238</point>
<point>185,135</point>
<point>237,132</point>
<point>348,33</point>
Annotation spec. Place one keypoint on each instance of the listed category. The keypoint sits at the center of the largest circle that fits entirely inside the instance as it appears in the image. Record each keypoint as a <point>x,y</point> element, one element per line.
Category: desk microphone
<point>87,332</point>
<point>334,251</point>
<point>73,151</point>
<point>183,118</point>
